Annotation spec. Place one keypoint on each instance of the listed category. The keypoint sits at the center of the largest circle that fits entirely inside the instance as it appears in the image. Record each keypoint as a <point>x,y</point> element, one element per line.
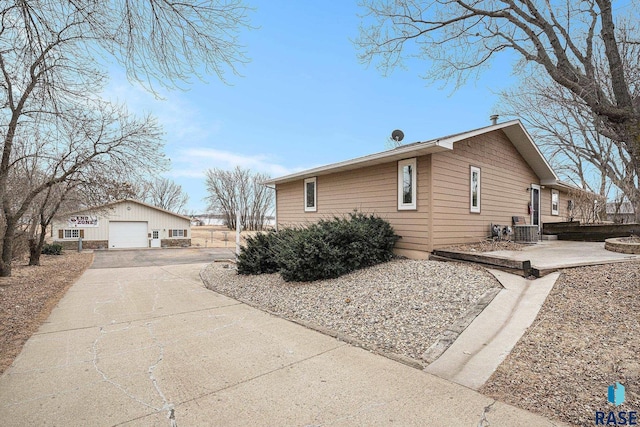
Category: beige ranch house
<point>122,224</point>
<point>436,193</point>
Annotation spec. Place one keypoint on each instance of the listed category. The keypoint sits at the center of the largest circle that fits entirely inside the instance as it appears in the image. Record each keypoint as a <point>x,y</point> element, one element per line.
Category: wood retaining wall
<point>589,232</point>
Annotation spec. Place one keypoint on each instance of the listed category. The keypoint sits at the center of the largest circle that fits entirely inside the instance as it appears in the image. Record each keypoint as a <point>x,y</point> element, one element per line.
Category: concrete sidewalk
<point>478,351</point>
<point>487,341</point>
<point>151,346</point>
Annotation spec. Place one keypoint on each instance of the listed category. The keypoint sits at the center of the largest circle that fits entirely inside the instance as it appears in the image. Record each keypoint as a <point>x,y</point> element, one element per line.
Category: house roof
<point>106,205</point>
<point>514,130</point>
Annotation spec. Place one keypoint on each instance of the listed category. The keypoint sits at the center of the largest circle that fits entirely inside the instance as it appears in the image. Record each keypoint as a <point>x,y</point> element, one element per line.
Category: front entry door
<point>155,239</point>
<point>535,205</point>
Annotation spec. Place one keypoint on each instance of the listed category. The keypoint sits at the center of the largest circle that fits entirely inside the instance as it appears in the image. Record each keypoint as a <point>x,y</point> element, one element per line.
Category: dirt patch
<point>29,295</point>
<point>487,246</point>
<point>584,339</point>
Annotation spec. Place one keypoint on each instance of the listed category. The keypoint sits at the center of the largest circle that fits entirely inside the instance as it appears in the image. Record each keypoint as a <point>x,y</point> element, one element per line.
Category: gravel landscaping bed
<point>585,338</point>
<point>488,246</point>
<point>399,307</point>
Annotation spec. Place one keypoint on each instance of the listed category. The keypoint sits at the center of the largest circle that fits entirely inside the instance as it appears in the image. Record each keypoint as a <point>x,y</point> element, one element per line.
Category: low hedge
<point>324,250</point>
<point>257,256</point>
<point>52,249</point>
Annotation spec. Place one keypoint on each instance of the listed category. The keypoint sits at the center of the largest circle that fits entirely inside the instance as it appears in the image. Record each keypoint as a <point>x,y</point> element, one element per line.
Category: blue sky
<point>304,100</point>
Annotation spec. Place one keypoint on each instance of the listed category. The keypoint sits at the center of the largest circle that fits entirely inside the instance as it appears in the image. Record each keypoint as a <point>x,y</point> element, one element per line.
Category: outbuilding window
<point>71,233</point>
<point>177,233</point>
<point>407,184</point>
<point>555,202</point>
<point>310,195</point>
<point>474,190</point>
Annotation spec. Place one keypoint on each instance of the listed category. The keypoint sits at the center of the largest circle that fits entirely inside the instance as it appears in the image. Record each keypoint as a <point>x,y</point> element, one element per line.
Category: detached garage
<point>121,225</point>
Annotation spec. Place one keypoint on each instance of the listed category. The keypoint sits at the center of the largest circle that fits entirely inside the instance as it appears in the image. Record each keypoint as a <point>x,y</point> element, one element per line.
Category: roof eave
<point>514,130</point>
<point>557,184</point>
<point>530,152</point>
<point>399,153</point>
<point>115,202</point>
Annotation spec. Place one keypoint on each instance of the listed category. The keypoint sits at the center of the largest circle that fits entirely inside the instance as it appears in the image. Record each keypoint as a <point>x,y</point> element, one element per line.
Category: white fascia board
<point>523,142</point>
<point>413,150</point>
<point>514,130</point>
<point>561,185</point>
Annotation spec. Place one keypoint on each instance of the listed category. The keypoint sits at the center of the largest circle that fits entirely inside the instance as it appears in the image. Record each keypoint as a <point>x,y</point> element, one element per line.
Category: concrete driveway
<point>150,346</point>
<point>119,258</point>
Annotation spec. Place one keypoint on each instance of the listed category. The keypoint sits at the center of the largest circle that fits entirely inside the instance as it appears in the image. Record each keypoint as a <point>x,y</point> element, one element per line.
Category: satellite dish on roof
<point>397,135</point>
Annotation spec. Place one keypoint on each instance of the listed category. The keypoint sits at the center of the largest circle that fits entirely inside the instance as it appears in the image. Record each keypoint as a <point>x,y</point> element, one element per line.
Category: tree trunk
<point>35,250</point>
<point>34,253</point>
<point>7,248</point>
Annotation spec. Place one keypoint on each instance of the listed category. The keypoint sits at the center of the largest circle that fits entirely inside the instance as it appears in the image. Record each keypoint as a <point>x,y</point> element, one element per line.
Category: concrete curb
<point>449,335</point>
<point>409,361</point>
<point>485,343</point>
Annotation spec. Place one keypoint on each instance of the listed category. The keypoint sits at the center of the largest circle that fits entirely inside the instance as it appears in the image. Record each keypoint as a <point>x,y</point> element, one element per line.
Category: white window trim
<point>313,208</point>
<point>401,205</point>
<point>71,231</point>
<point>472,208</point>
<point>555,211</point>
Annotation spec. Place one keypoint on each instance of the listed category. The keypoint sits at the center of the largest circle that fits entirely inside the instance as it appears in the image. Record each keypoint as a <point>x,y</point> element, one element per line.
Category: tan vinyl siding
<point>504,178</point>
<point>371,189</point>
<point>545,206</point>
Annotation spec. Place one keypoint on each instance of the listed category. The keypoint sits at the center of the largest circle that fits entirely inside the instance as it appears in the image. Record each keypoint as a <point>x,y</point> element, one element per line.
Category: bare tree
<point>567,132</point>
<point>581,46</point>
<point>51,77</point>
<point>243,191</point>
<point>100,190</point>
<point>159,42</point>
<point>44,210</point>
<point>105,139</point>
<point>588,208</point>
<point>163,193</point>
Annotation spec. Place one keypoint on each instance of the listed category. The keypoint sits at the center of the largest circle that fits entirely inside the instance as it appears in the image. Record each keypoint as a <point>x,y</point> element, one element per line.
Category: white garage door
<point>128,234</point>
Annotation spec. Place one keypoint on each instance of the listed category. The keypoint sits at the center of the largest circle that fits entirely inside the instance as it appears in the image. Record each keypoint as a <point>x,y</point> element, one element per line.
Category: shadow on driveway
<point>121,258</point>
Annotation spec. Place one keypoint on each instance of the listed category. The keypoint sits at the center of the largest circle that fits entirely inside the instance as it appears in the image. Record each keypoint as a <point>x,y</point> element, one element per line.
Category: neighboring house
<point>620,213</point>
<point>435,193</point>
<point>122,224</point>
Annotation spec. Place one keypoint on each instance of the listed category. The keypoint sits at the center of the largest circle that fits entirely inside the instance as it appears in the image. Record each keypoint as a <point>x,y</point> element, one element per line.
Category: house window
<point>73,233</point>
<point>177,233</point>
<point>310,195</point>
<point>474,193</point>
<point>407,184</point>
<point>555,202</point>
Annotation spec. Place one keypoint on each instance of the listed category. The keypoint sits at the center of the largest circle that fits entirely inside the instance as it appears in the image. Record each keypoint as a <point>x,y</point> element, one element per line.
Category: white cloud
<point>180,118</point>
<point>190,130</point>
<point>195,161</point>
